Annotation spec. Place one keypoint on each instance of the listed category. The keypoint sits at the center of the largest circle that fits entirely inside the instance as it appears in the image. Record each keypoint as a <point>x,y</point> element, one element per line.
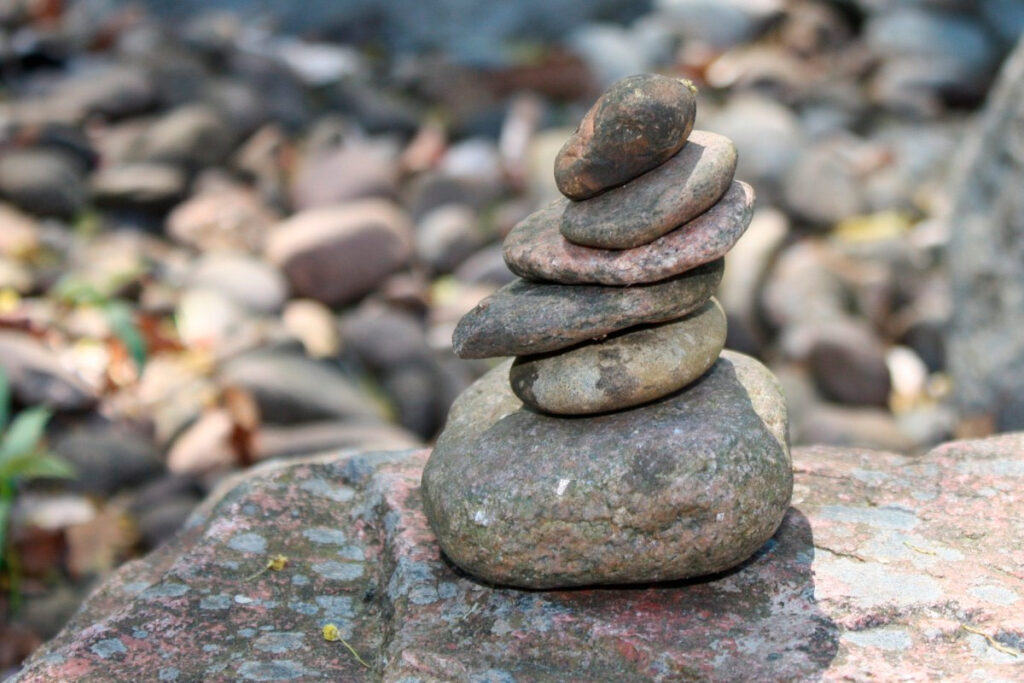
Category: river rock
<point>108,457</point>
<point>227,217</point>
<point>657,202</point>
<point>639,123</point>
<point>248,280</point>
<point>527,317</point>
<point>37,375</point>
<point>625,370</point>
<point>848,362</point>
<point>291,389</point>
<point>536,250</point>
<point>523,499</point>
<point>986,331</point>
<point>337,254</point>
<point>143,186</point>
<point>192,136</point>
<point>42,181</point>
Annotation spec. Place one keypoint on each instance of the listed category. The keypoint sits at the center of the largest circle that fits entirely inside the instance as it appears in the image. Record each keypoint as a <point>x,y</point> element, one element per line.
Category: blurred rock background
<point>232,232</point>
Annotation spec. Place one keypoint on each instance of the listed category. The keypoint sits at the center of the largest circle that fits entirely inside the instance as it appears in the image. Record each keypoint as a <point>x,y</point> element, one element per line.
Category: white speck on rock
<point>481,518</point>
<point>562,485</point>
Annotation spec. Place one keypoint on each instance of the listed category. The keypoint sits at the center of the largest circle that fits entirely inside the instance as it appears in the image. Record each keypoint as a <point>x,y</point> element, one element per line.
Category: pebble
<point>228,217</point>
<point>282,441</point>
<point>637,124</point>
<point>192,136</point>
<point>290,389</point>
<point>313,324</point>
<point>534,501</point>
<point>42,181</point>
<point>354,171</point>
<point>108,458</point>
<point>624,370</point>
<point>745,271</point>
<point>248,280</point>
<point>339,253</point>
<point>37,376</point>
<point>447,236</point>
<point>849,364</point>
<point>528,318</point>
<point>144,186</point>
<point>536,250</point>
<point>658,201</point>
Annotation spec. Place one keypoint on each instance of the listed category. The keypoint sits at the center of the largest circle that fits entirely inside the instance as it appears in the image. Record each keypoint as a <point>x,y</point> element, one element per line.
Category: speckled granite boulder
<point>636,125</point>
<point>685,486</point>
<point>624,370</point>
<point>536,250</point>
<point>657,202</point>
<point>874,573</point>
<point>528,317</point>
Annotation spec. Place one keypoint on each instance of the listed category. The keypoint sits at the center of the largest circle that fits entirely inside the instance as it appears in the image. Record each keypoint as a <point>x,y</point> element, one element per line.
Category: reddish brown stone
<point>657,202</point>
<point>639,123</point>
<point>336,254</point>
<point>536,250</point>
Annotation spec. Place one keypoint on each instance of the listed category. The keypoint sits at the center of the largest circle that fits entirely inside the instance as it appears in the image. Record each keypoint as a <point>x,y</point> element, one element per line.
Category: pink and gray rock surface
<point>885,567</point>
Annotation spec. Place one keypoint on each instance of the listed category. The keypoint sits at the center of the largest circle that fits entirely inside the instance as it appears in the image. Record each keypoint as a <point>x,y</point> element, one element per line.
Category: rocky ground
<point>221,245</point>
<point>869,578</point>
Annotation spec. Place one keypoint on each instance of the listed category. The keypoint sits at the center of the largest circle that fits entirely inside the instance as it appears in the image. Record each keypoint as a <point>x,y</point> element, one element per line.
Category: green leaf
<point>71,290</point>
<point>24,433</point>
<point>5,399</point>
<point>119,315</point>
<point>38,466</point>
<point>5,516</point>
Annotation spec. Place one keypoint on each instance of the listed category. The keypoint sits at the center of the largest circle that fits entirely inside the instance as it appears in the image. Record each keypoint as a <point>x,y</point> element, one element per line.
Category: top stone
<point>638,124</point>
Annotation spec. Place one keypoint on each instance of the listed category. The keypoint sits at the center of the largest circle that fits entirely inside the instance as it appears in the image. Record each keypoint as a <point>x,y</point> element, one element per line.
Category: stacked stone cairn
<point>621,444</point>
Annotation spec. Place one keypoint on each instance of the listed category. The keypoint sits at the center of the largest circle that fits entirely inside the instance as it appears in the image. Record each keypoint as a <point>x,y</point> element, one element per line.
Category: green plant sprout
<point>117,312</point>
<point>22,457</point>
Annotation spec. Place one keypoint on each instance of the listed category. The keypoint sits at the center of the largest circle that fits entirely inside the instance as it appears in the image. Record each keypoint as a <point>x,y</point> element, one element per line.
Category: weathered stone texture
<point>880,563</point>
<point>986,342</point>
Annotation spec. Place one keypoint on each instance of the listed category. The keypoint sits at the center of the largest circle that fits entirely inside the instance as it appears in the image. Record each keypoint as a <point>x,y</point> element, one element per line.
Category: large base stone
<point>688,485</point>
<point>876,570</point>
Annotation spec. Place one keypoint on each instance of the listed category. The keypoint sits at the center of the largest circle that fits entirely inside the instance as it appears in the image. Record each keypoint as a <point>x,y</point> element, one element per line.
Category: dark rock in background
<point>986,344</point>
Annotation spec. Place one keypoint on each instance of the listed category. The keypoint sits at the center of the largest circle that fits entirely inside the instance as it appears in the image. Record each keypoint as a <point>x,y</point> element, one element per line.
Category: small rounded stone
<point>628,369</point>
<point>639,123</point>
<point>525,318</point>
<point>689,485</point>
<point>536,250</point>
<point>657,202</point>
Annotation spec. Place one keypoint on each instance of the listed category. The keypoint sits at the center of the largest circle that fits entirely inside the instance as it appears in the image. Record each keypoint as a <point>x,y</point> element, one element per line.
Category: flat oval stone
<point>639,123</point>
<point>657,202</point>
<point>524,318</point>
<point>630,368</point>
<point>536,250</point>
<point>689,485</point>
